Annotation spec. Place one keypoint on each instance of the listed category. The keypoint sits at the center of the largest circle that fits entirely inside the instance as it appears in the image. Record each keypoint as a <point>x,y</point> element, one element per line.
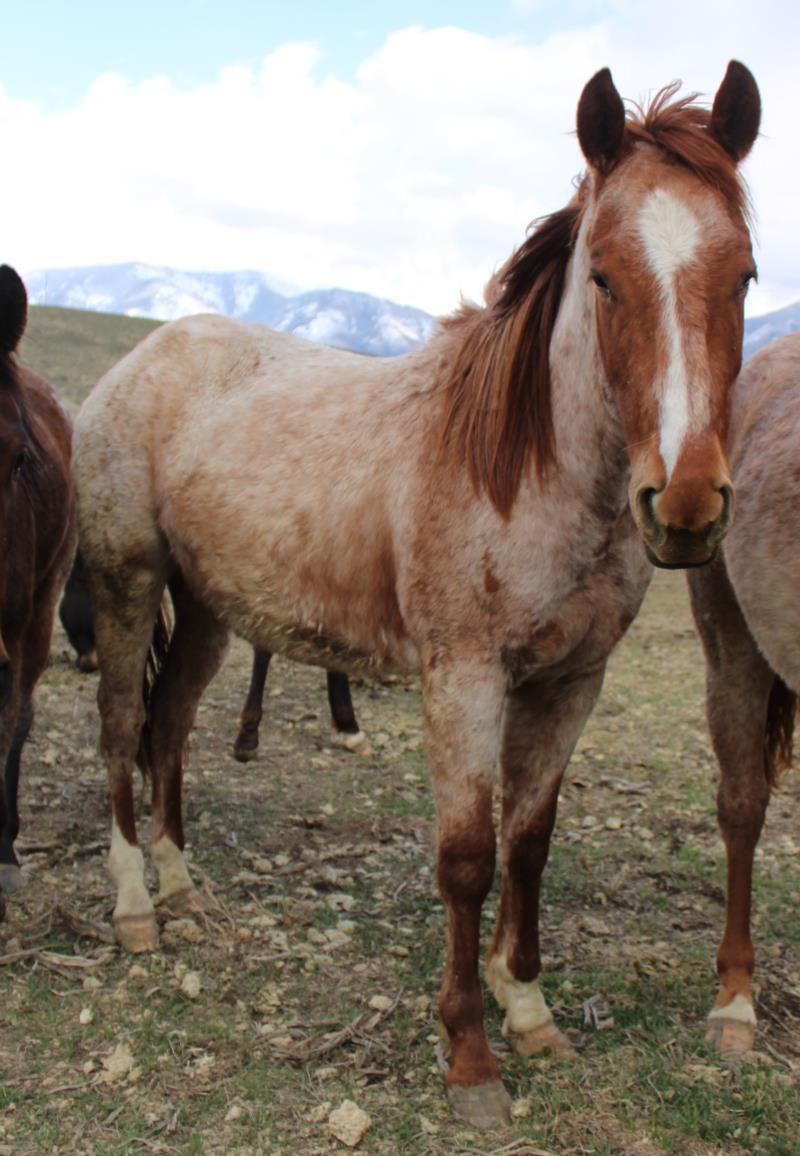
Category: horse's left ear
<point>13,309</point>
<point>736,114</point>
<point>601,122</point>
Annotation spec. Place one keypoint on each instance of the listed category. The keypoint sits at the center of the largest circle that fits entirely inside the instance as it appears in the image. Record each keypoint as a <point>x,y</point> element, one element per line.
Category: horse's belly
<point>290,604</point>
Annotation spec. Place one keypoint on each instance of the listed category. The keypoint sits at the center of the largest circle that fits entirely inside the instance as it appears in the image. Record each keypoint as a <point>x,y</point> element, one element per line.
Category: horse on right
<point>746,605</point>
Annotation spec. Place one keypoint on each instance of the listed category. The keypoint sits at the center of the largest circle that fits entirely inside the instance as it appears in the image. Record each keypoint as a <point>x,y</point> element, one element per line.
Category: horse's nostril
<point>646,508</point>
<point>727,505</point>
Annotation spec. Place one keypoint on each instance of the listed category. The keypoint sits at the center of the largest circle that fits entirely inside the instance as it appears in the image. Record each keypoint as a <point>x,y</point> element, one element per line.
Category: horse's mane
<point>497,405</point>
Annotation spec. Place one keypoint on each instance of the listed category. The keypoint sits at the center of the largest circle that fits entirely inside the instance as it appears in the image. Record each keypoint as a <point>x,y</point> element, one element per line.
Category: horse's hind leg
<point>196,649</point>
<point>739,683</point>
<point>246,744</point>
<point>541,726</point>
<point>346,729</point>
<point>126,605</point>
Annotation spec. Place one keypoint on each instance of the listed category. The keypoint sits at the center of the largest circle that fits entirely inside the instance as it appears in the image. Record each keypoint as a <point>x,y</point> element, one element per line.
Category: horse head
<point>665,246</point>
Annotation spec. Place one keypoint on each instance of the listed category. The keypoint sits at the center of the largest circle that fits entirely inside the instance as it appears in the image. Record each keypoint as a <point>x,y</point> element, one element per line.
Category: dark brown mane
<point>497,409</point>
<point>682,128</point>
<point>497,412</point>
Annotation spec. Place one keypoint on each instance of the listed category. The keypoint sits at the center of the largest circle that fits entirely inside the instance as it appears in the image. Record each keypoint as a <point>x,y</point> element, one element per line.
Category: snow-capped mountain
<point>759,330</point>
<point>330,316</point>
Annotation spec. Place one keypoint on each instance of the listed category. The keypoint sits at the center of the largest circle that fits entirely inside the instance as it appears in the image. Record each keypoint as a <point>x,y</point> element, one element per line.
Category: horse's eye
<point>601,283</point>
<point>19,462</point>
<point>745,283</point>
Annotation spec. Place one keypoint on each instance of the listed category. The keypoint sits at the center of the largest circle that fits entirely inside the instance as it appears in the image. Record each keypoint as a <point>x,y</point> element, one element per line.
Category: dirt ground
<point>311,980</point>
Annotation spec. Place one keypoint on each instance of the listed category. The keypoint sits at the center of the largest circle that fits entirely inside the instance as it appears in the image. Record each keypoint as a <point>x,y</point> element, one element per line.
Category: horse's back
<point>268,466</point>
<point>762,549</point>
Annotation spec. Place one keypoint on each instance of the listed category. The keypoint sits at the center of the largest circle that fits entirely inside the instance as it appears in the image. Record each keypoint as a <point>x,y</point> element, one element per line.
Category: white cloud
<point>413,180</point>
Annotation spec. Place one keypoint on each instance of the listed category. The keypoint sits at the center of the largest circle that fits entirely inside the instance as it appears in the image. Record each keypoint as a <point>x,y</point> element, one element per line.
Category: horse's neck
<point>592,462</point>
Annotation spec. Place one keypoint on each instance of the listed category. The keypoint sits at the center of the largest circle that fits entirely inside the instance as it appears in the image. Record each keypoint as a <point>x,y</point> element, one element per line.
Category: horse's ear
<point>736,114</point>
<point>601,122</point>
<point>13,309</point>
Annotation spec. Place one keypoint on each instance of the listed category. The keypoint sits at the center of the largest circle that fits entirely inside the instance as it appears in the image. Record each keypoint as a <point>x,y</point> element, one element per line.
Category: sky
<point>396,149</point>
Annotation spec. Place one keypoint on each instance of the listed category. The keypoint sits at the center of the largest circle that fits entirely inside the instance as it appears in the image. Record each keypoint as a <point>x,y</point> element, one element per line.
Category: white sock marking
<point>126,866</point>
<point>671,235</point>
<point>523,1002</point>
<point>173,876</point>
<point>739,1008</point>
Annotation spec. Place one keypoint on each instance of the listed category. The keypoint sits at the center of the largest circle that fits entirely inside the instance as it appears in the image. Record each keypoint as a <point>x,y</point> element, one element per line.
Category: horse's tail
<point>156,655</point>
<point>779,736</point>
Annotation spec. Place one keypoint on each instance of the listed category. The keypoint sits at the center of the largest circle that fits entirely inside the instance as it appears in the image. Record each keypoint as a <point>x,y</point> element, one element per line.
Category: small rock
<point>91,983</point>
<point>118,1065</point>
<point>613,823</point>
<point>381,1003</point>
<point>86,1016</point>
<point>190,985</point>
<point>349,1123</point>
<point>233,1113</point>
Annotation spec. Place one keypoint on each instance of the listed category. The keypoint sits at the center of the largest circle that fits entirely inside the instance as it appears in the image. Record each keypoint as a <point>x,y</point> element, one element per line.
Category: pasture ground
<point>318,870</point>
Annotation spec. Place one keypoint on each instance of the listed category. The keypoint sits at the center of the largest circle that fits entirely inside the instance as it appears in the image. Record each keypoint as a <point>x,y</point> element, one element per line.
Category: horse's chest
<point>582,629</point>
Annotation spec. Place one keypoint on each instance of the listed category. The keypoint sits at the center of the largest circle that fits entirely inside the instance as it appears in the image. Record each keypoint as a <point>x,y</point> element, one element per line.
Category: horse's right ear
<point>601,122</point>
<point>13,309</point>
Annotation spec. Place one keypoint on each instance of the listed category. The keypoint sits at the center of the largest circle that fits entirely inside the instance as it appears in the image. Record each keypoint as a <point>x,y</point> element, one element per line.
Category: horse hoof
<point>11,878</point>
<point>481,1105</point>
<point>730,1038</point>
<point>244,754</point>
<point>181,903</point>
<point>544,1040</point>
<point>357,744</point>
<point>2,906</point>
<point>136,933</point>
<point>87,663</point>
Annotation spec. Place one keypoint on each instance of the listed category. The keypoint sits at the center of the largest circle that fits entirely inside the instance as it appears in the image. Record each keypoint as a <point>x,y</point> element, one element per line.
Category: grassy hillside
<point>73,348</point>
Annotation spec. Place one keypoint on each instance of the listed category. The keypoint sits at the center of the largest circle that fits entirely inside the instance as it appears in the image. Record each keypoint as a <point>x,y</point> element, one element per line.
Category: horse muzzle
<point>680,529</point>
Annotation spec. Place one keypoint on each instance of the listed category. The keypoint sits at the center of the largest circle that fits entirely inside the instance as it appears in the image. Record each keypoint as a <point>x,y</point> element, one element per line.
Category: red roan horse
<point>474,510</point>
<point>747,610</point>
<point>37,531</point>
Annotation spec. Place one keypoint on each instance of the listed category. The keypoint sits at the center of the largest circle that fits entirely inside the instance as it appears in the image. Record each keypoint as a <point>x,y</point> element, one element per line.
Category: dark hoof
<point>2,906</point>
<point>245,749</point>
<point>87,663</point>
<point>11,878</point>
<point>483,1106</point>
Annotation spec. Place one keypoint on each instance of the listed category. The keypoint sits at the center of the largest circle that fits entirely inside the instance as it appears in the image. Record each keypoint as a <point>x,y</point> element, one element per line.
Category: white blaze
<point>671,234</point>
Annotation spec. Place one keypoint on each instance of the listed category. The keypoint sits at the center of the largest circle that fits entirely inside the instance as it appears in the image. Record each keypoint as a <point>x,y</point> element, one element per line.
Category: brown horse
<point>37,532</point>
<point>747,609</point>
<point>475,510</point>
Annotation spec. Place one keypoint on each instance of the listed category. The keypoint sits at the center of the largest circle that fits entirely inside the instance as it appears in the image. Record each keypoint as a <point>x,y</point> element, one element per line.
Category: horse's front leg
<point>462,711</point>
<point>541,726</point>
<point>739,683</point>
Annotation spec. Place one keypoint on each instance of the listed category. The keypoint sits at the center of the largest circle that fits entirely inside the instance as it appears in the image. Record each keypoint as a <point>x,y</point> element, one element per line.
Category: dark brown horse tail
<point>778,740</point>
<point>156,655</point>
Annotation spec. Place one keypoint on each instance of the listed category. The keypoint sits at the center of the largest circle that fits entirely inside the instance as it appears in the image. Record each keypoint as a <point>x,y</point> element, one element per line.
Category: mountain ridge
<point>339,317</point>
